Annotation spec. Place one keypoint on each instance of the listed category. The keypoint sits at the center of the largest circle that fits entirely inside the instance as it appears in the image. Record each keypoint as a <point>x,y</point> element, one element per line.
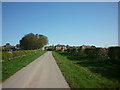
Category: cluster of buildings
<point>63,47</point>
<point>58,47</point>
<point>9,47</point>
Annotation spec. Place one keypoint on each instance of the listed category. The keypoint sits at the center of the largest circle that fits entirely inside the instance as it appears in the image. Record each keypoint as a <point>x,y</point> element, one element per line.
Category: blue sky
<point>87,23</point>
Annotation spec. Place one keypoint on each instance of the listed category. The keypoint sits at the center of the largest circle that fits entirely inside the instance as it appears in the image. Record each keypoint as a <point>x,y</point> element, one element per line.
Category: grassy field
<point>85,72</point>
<point>9,67</point>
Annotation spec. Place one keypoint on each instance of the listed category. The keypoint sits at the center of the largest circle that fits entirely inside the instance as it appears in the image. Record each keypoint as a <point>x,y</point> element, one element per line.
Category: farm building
<point>60,47</point>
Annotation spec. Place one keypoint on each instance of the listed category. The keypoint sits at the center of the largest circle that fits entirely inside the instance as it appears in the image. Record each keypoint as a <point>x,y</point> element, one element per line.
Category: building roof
<point>86,46</point>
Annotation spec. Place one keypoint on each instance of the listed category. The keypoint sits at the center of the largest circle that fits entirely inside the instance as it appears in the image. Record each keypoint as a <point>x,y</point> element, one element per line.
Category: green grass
<point>8,55</point>
<point>9,67</point>
<point>85,72</point>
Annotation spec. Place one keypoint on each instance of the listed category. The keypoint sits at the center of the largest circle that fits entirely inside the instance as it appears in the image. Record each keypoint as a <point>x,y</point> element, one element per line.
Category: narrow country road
<point>41,73</point>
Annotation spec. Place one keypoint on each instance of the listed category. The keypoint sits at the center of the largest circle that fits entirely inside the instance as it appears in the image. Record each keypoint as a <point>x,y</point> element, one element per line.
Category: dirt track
<point>41,73</point>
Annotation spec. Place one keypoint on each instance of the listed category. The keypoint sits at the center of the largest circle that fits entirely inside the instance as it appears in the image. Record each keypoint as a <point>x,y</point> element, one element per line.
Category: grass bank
<point>85,72</point>
<point>9,67</point>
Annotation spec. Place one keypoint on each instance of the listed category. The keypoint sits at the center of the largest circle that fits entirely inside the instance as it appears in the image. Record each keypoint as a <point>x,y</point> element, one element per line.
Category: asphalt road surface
<point>41,73</point>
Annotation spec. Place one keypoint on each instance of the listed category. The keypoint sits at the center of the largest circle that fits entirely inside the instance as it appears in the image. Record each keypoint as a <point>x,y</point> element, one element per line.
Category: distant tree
<point>32,41</point>
<point>50,48</point>
<point>18,45</point>
<point>43,40</point>
<point>93,46</point>
<point>8,44</point>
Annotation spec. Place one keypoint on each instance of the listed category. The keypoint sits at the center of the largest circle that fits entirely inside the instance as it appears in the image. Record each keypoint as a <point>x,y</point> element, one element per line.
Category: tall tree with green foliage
<point>33,41</point>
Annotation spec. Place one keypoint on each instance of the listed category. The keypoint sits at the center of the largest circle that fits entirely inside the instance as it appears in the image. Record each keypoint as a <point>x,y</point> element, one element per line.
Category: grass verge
<point>84,72</point>
<point>9,67</point>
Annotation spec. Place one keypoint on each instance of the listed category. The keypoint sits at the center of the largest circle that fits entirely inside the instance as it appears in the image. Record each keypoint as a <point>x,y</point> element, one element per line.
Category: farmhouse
<point>85,46</point>
<point>56,48</point>
<point>60,47</point>
<point>8,47</point>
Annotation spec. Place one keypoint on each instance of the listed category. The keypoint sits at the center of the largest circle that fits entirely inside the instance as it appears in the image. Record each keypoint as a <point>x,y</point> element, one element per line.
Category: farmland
<point>82,71</point>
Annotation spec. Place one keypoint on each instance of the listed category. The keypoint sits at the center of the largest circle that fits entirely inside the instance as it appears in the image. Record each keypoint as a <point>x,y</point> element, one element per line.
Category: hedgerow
<point>7,55</point>
<point>101,53</point>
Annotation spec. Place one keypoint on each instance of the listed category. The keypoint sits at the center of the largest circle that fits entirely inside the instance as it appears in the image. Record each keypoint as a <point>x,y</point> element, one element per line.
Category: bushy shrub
<point>72,50</point>
<point>69,50</point>
<point>90,52</point>
<point>6,55</point>
<point>16,54</point>
<point>114,52</point>
<point>80,51</point>
<point>102,53</point>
